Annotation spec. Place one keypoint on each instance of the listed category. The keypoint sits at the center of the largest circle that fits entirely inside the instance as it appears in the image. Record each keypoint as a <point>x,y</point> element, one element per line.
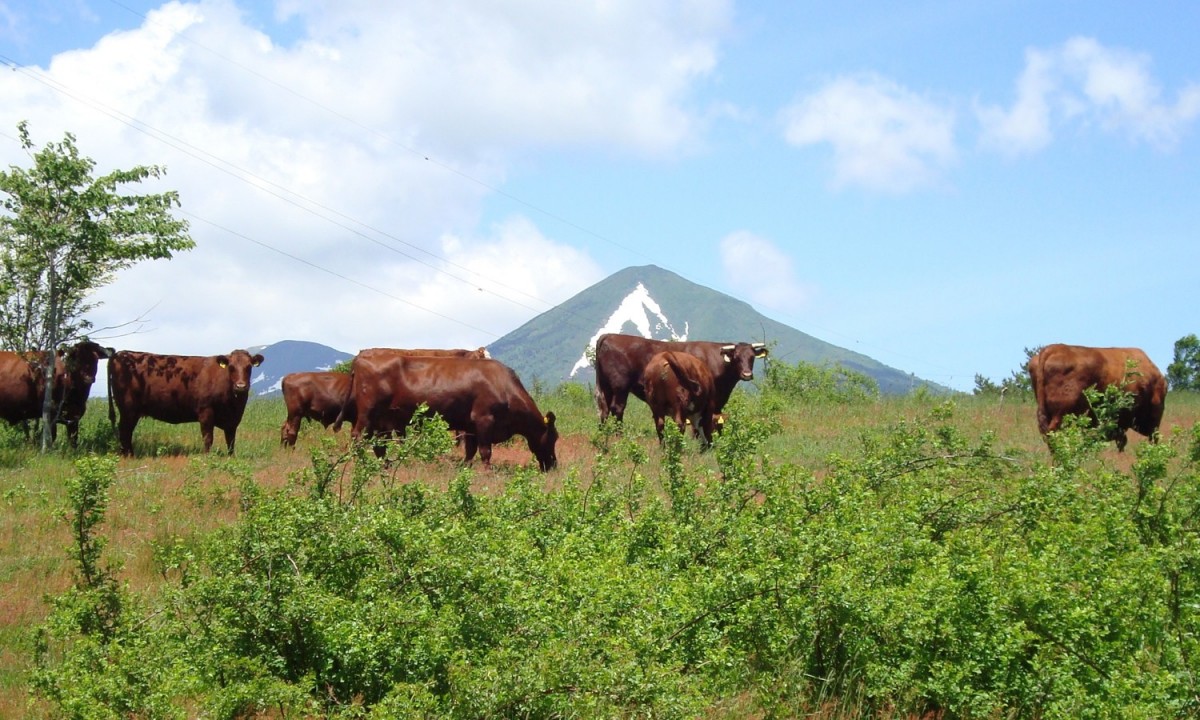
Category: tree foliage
<point>65,233</point>
<point>1017,384</point>
<point>1184,371</point>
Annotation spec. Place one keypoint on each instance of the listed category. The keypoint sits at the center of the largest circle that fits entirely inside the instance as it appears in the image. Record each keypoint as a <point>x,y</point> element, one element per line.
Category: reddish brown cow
<point>621,359</point>
<point>679,386</point>
<point>317,396</point>
<point>23,385</point>
<point>176,389</point>
<point>1060,374</point>
<point>483,399</point>
<point>380,354</point>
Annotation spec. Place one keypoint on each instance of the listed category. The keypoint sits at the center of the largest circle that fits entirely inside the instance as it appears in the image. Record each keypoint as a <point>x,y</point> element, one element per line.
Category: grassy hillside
<point>917,552</point>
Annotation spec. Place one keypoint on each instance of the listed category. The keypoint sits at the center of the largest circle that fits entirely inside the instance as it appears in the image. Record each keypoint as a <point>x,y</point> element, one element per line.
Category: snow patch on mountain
<point>641,311</point>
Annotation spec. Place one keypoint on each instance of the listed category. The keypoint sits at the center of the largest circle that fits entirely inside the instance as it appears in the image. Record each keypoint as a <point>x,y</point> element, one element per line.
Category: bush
<point>925,571</point>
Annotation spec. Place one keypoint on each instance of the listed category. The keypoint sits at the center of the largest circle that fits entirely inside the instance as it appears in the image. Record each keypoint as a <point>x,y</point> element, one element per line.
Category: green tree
<point>1016,384</point>
<point>65,233</point>
<point>1184,372</point>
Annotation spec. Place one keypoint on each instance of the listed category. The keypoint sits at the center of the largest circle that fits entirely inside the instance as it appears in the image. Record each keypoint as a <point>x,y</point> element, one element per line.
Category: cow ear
<point>760,350</point>
<point>257,360</point>
<point>222,362</point>
<point>549,419</point>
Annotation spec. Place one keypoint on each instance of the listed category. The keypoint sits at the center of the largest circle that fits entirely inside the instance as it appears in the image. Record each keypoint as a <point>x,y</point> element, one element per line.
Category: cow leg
<point>470,446</point>
<point>1121,439</point>
<point>617,405</point>
<point>660,422</point>
<point>125,433</point>
<point>230,437</point>
<point>72,433</point>
<point>206,428</point>
<point>289,431</point>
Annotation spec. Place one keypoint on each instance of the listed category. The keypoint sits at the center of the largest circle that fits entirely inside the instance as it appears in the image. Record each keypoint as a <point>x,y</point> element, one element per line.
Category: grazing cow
<point>380,354</point>
<point>23,385</point>
<point>318,396</point>
<point>176,389</point>
<point>620,360</point>
<point>482,399</point>
<point>1060,374</point>
<point>679,386</point>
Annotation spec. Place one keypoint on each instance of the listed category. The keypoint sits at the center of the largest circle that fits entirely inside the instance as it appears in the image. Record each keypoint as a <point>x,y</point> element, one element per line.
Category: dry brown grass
<point>176,492</point>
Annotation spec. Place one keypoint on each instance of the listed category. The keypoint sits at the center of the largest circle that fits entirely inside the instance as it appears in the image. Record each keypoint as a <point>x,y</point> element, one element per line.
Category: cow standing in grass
<point>482,399</point>
<point>1060,374</point>
<point>680,387</point>
<point>23,386</point>
<point>210,390</point>
<point>621,360</point>
<point>319,396</point>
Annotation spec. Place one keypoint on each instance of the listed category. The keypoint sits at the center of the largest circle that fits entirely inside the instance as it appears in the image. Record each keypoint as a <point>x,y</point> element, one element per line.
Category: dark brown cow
<point>679,386</point>
<point>380,354</point>
<point>211,390</point>
<point>483,399</point>
<point>620,360</point>
<point>1060,373</point>
<point>23,385</point>
<point>318,396</point>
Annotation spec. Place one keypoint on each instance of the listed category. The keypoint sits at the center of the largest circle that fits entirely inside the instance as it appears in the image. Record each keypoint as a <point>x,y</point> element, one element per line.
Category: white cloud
<point>1084,82</point>
<point>761,272</point>
<point>336,181</point>
<point>884,136</point>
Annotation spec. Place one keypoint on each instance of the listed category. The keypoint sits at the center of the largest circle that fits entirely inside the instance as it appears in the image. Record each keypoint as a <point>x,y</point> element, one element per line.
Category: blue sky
<point>936,185</point>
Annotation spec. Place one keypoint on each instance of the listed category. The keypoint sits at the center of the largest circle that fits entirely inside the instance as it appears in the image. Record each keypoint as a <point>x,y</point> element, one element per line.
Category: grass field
<point>172,490</point>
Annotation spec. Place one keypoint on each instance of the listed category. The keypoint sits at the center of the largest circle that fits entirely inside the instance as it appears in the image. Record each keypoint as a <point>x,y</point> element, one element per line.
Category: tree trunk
<point>48,414</point>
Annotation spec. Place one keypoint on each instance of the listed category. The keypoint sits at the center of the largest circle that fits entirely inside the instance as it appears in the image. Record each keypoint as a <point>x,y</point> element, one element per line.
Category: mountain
<point>553,347</point>
<point>288,356</point>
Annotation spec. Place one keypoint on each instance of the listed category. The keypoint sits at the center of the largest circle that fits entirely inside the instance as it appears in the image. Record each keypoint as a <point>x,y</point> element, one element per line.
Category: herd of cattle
<point>481,399</point>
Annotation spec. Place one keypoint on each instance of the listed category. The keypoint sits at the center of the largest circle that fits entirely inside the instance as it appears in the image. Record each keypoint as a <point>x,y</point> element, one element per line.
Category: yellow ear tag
<point>223,365</point>
<point>545,420</point>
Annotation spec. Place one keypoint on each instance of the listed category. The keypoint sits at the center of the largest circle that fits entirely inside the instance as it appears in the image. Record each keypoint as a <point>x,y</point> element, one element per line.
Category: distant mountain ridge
<point>553,347</point>
<point>289,356</point>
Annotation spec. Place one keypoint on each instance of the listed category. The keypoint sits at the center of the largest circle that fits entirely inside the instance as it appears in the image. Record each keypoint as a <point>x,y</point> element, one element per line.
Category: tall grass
<point>171,494</point>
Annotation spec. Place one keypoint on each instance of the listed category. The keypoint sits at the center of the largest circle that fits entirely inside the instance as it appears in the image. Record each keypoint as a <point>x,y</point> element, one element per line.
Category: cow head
<point>239,364</point>
<point>76,366</point>
<point>543,449</point>
<point>741,357</point>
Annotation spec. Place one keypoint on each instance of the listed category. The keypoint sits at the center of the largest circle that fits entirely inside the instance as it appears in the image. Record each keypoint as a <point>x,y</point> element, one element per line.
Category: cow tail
<point>112,411</point>
<point>341,416</point>
<point>1037,381</point>
<point>692,384</point>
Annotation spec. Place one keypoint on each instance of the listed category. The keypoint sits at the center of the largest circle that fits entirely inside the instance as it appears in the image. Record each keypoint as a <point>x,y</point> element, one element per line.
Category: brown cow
<point>318,396</point>
<point>620,360</point>
<point>1060,373</point>
<point>679,386</point>
<point>380,354</point>
<point>483,399</point>
<point>23,385</point>
<point>211,390</point>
